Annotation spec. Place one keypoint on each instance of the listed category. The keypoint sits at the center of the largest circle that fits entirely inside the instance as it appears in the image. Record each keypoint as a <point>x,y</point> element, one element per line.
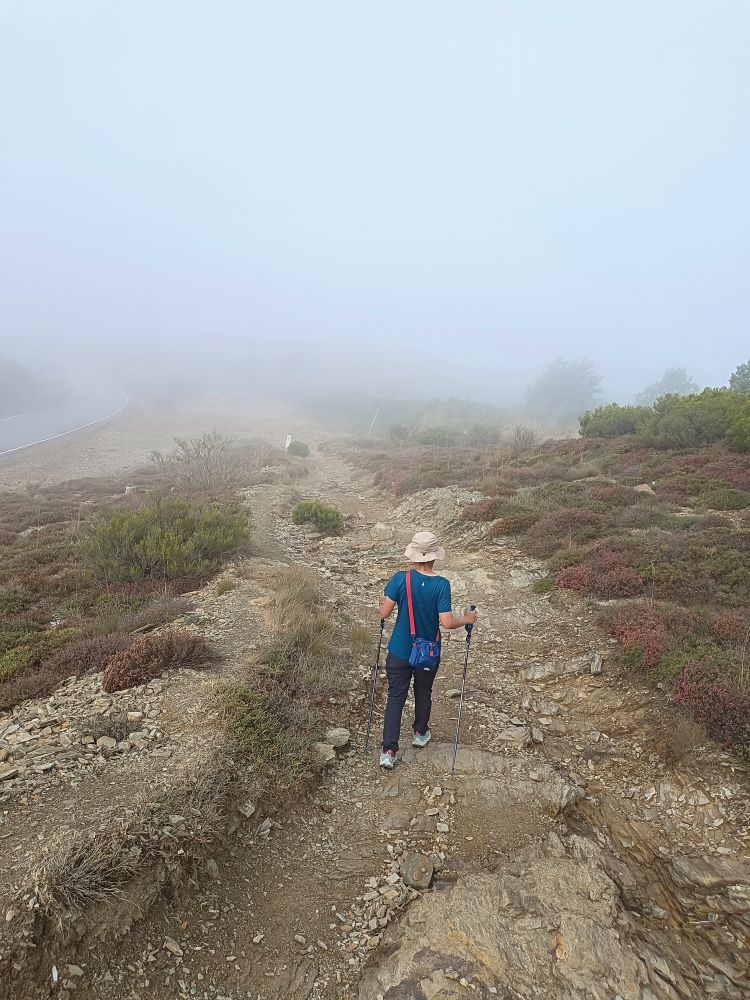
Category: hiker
<point>417,636</point>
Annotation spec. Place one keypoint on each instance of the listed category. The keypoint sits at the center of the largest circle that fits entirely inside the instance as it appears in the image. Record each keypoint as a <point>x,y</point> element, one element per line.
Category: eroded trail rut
<point>566,859</point>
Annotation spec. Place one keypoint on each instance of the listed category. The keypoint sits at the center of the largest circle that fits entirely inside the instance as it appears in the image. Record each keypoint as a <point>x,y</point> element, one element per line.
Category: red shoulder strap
<point>412,626</point>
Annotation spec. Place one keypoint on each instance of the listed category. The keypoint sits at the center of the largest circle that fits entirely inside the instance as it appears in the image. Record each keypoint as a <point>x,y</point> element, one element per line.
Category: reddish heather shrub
<point>86,656</point>
<point>34,684</point>
<point>612,494</point>
<point>730,626</point>
<point>149,656</point>
<point>564,527</point>
<point>7,537</point>
<point>722,707</point>
<point>652,632</point>
<point>601,574</point>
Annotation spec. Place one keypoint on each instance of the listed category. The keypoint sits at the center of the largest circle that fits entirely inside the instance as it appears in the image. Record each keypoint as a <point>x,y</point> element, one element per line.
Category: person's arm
<point>388,600</point>
<point>450,621</point>
<point>447,619</point>
<point>386,607</point>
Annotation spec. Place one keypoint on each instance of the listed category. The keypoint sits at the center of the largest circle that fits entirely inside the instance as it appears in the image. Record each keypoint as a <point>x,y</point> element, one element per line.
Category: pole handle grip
<point>472,607</point>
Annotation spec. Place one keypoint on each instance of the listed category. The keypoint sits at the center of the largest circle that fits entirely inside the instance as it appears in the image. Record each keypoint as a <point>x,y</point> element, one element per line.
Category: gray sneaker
<point>421,739</point>
<point>388,759</point>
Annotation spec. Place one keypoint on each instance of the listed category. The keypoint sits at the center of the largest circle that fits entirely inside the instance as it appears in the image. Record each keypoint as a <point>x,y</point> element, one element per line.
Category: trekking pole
<point>463,685</point>
<point>373,682</point>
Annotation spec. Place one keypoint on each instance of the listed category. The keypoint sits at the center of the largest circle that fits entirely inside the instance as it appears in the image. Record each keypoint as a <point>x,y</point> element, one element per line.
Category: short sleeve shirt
<point>431,597</point>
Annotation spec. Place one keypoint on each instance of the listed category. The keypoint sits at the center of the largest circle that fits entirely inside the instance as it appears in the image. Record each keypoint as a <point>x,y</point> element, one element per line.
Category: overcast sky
<point>433,193</point>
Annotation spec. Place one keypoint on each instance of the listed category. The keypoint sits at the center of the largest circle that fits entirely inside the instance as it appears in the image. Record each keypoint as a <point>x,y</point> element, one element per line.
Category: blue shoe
<point>388,759</point>
<point>421,739</point>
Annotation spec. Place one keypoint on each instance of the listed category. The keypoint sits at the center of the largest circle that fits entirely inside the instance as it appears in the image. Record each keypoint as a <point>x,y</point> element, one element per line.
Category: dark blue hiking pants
<point>400,676</point>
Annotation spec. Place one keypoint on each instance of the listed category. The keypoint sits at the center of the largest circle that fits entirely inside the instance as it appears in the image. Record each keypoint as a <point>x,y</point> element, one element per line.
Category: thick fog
<point>429,196</point>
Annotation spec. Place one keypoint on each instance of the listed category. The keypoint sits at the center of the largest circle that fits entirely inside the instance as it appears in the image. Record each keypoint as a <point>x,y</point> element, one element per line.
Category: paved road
<point>90,401</point>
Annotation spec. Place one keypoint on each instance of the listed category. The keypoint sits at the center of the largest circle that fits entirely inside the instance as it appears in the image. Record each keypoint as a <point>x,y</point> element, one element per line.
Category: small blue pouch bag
<point>425,653</point>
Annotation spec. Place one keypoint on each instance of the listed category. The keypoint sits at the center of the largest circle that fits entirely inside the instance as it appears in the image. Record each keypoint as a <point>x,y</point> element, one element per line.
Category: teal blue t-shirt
<point>430,596</point>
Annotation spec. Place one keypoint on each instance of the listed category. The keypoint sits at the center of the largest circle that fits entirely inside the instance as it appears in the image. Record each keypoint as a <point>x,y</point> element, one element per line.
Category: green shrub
<point>718,497</point>
<point>270,729</point>
<point>739,429</point>
<point>31,649</point>
<point>323,516</point>
<point>169,538</point>
<point>298,448</point>
<point>612,420</point>
<point>543,586</point>
<point>692,421</point>
<point>440,437</point>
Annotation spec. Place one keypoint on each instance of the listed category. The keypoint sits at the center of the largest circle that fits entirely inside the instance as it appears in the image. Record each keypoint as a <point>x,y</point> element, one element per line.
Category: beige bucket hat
<point>424,548</point>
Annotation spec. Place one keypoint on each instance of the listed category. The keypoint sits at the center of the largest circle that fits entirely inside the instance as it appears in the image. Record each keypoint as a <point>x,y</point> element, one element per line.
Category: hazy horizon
<point>415,197</point>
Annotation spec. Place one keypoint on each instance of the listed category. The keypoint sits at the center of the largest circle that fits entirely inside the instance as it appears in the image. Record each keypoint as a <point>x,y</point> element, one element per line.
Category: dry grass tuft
<point>115,726</point>
<point>76,872</point>
<point>361,638</point>
<point>684,736</point>
<point>297,590</point>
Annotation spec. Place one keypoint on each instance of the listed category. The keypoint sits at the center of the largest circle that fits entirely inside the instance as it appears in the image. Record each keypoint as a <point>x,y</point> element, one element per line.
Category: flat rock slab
<point>498,778</point>
<point>543,926</point>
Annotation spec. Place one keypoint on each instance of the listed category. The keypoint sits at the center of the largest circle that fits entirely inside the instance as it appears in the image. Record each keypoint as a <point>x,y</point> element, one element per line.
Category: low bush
<point>299,449</point>
<point>169,538</point>
<point>612,421</point>
<point>545,585</point>
<point>83,656</point>
<point>226,585</point>
<point>149,656</point>
<point>512,524</point>
<point>272,730</point>
<point>715,702</point>
<point>603,574</point>
<point>160,612</point>
<point>648,633</point>
<point>28,648</point>
<point>7,537</point>
<point>484,510</point>
<point>200,465</point>
<point>714,496</point>
<point>441,437</point>
<point>327,519</point>
<point>564,528</point>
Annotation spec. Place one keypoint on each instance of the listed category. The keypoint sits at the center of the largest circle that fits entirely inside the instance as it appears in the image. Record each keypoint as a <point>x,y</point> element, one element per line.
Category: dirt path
<point>567,858</point>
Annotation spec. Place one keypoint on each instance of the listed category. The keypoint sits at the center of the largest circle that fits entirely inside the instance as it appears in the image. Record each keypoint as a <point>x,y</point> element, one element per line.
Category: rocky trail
<point>567,858</point>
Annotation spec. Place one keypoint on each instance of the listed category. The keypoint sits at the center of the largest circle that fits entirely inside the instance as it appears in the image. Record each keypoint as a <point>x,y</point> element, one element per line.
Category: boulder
<point>417,870</point>
<point>337,737</point>
<point>323,754</point>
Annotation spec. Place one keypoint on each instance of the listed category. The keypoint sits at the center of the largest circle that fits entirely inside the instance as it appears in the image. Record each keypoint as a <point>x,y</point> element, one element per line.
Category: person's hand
<point>470,617</point>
